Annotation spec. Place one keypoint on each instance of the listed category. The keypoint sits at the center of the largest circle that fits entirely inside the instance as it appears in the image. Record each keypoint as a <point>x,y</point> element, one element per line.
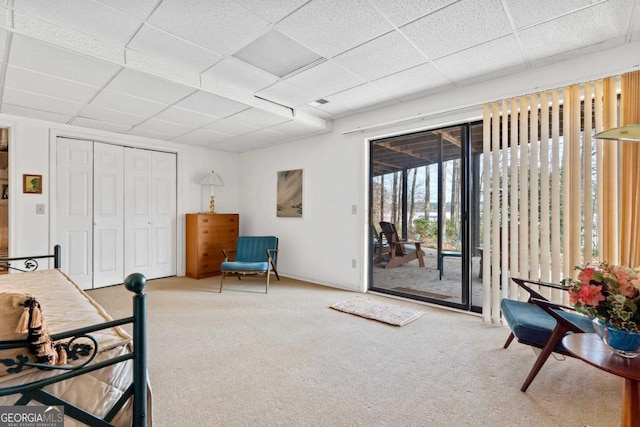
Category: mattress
<point>65,307</point>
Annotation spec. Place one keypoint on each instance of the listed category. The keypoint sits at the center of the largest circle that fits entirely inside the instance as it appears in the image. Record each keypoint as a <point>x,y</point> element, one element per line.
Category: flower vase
<point>621,341</point>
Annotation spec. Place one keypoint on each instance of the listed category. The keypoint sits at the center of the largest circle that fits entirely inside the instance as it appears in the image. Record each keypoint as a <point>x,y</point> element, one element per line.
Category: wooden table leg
<point>420,257</point>
<point>630,404</point>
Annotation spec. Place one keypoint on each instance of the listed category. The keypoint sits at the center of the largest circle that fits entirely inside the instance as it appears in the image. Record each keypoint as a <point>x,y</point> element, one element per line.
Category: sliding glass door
<point>421,187</point>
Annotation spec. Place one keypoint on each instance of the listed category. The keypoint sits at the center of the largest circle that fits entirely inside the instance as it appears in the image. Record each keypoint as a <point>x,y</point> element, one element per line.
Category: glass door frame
<point>466,193</point>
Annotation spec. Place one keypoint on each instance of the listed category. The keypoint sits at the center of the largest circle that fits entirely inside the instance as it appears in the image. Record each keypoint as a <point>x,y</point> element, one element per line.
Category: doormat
<point>422,293</point>
<point>376,310</point>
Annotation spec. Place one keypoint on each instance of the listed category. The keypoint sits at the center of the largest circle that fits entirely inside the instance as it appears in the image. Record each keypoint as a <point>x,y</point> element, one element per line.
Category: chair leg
<point>554,339</point>
<point>511,336</point>
<point>266,288</point>
<point>221,280</point>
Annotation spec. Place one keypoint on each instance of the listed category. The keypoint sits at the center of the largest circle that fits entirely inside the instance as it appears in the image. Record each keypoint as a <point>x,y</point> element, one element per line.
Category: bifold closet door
<point>108,214</point>
<point>74,208</point>
<point>115,212</point>
<point>150,213</point>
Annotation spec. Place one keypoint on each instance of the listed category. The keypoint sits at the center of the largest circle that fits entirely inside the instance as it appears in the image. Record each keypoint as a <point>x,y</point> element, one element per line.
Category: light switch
<point>354,209</point>
<point>40,208</point>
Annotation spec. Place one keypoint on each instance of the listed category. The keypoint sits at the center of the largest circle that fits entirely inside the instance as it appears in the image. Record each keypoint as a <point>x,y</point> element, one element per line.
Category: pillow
<point>21,318</point>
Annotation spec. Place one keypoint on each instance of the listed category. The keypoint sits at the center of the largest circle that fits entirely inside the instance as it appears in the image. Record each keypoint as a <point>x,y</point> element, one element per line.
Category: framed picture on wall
<point>289,194</point>
<point>32,184</point>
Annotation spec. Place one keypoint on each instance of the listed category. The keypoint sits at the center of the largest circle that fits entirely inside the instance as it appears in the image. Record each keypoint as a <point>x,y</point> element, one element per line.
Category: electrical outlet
<point>40,209</point>
<point>354,209</point>
<point>353,263</point>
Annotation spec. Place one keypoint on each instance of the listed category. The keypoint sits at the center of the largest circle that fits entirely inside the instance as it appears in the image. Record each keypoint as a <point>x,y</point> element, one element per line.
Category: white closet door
<point>163,215</point>
<point>108,215</point>
<point>74,208</point>
<point>137,212</point>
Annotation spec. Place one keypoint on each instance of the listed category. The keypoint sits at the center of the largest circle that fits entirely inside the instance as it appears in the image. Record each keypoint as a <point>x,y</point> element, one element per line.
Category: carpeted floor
<point>243,358</point>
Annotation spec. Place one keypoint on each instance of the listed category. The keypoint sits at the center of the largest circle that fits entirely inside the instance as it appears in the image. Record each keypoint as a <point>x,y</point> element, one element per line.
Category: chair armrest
<point>226,252</point>
<point>523,283</point>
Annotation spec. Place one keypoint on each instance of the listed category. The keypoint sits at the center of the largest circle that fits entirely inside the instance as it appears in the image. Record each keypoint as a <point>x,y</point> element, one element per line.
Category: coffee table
<point>591,349</point>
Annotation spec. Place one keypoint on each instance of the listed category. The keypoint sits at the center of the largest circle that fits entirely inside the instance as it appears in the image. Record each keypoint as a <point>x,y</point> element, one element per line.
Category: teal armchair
<point>254,255</point>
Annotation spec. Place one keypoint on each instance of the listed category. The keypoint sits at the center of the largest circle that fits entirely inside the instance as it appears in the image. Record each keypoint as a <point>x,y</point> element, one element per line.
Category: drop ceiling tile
<point>16,110</point>
<point>286,94</point>
<point>127,104</point>
<point>332,26</point>
<point>213,105</point>
<point>231,128</point>
<point>149,134</point>
<point>325,79</point>
<point>161,68</point>
<point>40,102</point>
<point>458,26</point>
<point>401,12</point>
<point>525,12</point>
<point>236,72</point>
<point>146,86</point>
<point>385,55</point>
<point>416,79</point>
<point>259,118</point>
<point>168,128</point>
<point>277,54</point>
<point>185,117</point>
<point>222,26</point>
<point>87,16</point>
<point>201,137</point>
<point>490,57</point>
<point>272,11</point>
<point>67,38</point>
<point>139,8</point>
<point>105,115</point>
<point>31,81</point>
<point>360,97</point>
<point>47,59</point>
<point>95,124</point>
<point>602,22</point>
<point>160,44</point>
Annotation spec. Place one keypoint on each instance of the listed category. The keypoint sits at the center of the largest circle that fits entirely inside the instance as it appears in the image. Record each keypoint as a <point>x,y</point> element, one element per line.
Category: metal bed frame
<point>135,283</point>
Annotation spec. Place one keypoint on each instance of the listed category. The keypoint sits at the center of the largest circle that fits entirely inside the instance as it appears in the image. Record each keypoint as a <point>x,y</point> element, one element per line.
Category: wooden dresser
<point>207,235</point>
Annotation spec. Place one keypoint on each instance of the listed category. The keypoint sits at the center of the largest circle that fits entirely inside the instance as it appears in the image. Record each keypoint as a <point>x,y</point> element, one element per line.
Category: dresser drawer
<point>220,220</point>
<point>216,241</point>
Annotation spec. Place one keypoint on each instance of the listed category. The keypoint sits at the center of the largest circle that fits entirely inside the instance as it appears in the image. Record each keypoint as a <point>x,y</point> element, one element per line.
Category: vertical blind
<point>549,189</point>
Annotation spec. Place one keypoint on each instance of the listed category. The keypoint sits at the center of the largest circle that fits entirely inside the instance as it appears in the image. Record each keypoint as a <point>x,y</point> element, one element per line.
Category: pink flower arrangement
<point>607,292</point>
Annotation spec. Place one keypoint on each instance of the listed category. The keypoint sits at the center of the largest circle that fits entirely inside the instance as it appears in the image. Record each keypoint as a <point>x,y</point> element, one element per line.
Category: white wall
<point>31,144</point>
<point>320,246</point>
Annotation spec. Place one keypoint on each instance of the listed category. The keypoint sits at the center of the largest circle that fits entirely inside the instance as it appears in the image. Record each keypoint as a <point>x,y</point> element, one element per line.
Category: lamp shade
<point>212,178</point>
<point>623,133</point>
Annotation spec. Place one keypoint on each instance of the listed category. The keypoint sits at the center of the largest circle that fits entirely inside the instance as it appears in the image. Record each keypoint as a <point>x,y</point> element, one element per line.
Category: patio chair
<point>401,251</point>
<point>380,246</point>
<point>541,323</point>
<point>254,255</point>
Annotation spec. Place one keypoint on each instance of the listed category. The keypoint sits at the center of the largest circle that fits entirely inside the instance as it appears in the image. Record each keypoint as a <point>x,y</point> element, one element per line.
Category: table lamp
<point>212,179</point>
<point>622,133</point>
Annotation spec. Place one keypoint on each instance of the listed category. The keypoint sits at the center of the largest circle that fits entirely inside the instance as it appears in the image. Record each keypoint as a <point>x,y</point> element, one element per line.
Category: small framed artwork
<point>289,194</point>
<point>32,184</point>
